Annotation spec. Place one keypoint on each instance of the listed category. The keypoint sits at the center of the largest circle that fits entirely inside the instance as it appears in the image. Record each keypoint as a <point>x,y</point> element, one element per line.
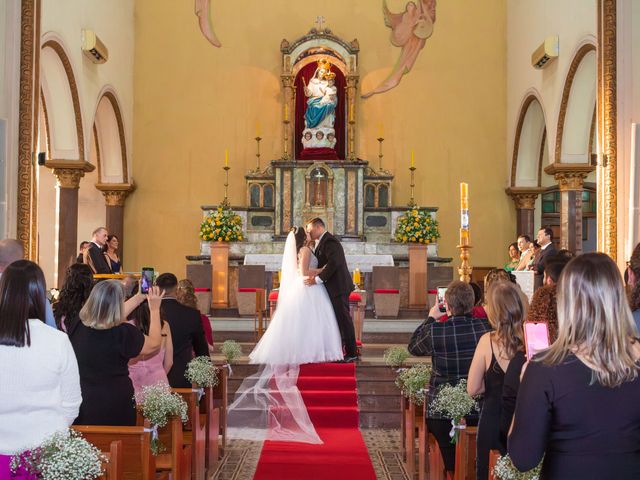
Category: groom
<point>335,277</point>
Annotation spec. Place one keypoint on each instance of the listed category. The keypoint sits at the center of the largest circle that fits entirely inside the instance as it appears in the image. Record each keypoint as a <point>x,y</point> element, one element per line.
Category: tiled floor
<point>384,446</point>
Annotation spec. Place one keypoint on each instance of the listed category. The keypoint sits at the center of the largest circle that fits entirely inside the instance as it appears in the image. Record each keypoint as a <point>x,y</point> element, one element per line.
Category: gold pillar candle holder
<point>285,155</point>
<point>226,169</point>
<point>412,202</point>
<point>380,155</point>
<point>465,268</point>
<point>257,139</point>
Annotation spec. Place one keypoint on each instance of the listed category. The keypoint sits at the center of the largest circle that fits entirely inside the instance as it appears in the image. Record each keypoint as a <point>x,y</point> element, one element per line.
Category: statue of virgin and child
<point>320,115</point>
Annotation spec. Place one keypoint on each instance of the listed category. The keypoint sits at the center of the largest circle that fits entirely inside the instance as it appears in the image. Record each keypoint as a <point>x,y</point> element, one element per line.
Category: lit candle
<point>413,159</point>
<point>464,211</point>
<point>226,158</point>
<point>356,276</point>
<point>286,112</point>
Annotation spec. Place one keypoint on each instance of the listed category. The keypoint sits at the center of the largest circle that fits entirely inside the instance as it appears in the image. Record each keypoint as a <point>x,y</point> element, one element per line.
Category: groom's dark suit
<point>337,280</point>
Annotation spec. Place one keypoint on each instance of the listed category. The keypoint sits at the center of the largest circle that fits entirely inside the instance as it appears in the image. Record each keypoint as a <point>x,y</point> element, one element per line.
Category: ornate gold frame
<point>607,129</point>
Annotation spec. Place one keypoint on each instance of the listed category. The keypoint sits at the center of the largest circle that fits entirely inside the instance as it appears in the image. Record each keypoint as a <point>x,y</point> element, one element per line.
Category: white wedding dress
<point>268,404</point>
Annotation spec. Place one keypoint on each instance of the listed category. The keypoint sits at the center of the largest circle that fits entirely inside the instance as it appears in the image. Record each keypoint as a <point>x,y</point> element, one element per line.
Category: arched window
<point>369,196</point>
<point>383,196</point>
<point>268,196</point>
<point>254,195</point>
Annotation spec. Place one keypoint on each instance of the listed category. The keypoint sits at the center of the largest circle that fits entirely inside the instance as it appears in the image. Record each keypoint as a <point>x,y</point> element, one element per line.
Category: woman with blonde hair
<point>104,343</point>
<point>186,295</point>
<point>506,310</point>
<point>578,400</point>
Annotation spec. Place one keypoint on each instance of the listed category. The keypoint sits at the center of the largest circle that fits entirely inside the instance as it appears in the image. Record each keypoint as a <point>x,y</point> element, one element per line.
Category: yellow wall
<point>192,101</point>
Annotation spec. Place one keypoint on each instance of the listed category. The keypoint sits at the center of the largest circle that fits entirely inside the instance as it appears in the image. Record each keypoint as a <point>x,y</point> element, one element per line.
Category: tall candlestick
<point>286,112</point>
<point>465,268</point>
<point>351,111</point>
<point>413,159</point>
<point>226,158</point>
<point>380,130</point>
<point>257,129</point>
<point>464,206</point>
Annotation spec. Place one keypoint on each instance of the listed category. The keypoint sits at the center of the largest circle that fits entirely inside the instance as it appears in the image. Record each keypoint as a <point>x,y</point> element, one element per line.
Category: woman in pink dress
<point>150,369</point>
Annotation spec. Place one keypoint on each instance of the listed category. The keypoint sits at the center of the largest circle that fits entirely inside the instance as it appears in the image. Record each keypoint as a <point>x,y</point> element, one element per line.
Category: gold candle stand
<point>465,267</point>
<point>226,169</point>
<point>285,156</point>
<point>257,139</point>
<point>380,155</point>
<point>412,202</point>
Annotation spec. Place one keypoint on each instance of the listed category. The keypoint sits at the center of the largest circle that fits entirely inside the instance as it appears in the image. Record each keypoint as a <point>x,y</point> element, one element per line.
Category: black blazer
<point>336,275</point>
<point>545,254</point>
<point>98,261</point>
<point>187,336</point>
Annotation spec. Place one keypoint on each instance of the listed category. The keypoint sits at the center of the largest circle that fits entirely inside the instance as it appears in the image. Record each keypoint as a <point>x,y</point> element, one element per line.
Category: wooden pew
<point>211,416</point>
<point>415,427</point>
<point>494,456</point>
<point>220,400</point>
<point>194,432</point>
<point>176,459</point>
<point>137,461</point>
<point>112,466</point>
<point>466,454</point>
<point>436,463</point>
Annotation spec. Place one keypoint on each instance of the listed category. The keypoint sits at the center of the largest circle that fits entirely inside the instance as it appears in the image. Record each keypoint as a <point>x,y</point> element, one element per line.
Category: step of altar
<point>378,396</point>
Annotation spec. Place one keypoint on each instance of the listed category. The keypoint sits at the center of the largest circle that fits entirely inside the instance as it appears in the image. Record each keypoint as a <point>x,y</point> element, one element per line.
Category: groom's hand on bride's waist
<point>309,281</point>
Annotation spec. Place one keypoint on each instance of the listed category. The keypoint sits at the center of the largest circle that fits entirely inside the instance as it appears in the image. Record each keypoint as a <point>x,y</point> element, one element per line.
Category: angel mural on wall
<point>410,31</point>
<point>203,12</point>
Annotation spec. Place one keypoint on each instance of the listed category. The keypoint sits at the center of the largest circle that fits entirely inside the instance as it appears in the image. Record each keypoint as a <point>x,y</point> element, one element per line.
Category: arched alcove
<point>530,144</point>
<point>110,137</point>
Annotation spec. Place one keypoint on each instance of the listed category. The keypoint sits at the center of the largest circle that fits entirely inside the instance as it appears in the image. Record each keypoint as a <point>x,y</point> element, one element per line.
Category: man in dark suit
<point>337,280</point>
<point>83,246</point>
<point>186,331</point>
<point>547,251</point>
<point>94,255</point>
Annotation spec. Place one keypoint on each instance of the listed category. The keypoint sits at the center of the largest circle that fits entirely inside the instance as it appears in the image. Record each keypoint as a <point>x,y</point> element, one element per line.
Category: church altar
<point>319,173</point>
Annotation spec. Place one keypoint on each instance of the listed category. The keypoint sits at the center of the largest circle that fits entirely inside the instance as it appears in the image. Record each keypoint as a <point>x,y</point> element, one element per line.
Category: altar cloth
<point>272,262</point>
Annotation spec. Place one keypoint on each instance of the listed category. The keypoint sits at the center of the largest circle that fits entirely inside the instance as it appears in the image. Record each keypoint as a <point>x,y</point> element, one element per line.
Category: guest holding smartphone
<point>578,401</point>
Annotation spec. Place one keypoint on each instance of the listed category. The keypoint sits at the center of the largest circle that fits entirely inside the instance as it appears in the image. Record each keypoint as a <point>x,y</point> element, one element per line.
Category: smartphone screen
<point>536,337</point>
<point>147,279</point>
<point>440,295</point>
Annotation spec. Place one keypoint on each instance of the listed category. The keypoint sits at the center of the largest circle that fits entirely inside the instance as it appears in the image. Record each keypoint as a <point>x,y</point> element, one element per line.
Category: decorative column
<point>115,195</point>
<point>288,113</point>
<point>524,199</point>
<point>352,84</point>
<point>68,173</point>
<point>570,179</point>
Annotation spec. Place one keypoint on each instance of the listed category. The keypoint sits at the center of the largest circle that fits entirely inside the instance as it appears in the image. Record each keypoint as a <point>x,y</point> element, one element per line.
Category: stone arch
<point>60,92</point>
<point>529,144</point>
<point>575,119</point>
<point>110,139</point>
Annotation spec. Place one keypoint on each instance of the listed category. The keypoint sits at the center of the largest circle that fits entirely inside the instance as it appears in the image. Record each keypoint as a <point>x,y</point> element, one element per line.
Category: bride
<point>268,404</point>
<point>304,328</point>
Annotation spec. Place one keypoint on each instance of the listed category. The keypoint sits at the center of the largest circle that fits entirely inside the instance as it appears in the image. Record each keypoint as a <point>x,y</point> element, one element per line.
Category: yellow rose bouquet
<point>221,225</point>
<point>417,226</point>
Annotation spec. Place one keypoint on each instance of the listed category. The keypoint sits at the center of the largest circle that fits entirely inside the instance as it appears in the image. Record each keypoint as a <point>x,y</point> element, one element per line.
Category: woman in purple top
<point>150,369</point>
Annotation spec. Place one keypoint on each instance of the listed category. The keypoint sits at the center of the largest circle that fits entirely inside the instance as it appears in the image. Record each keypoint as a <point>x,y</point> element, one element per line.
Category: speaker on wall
<point>42,157</point>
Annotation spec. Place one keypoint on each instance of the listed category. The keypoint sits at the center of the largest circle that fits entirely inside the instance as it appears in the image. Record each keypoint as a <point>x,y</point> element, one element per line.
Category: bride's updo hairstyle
<point>301,237</point>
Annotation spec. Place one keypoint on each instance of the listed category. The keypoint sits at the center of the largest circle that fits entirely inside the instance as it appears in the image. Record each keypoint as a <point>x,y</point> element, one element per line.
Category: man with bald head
<point>11,250</point>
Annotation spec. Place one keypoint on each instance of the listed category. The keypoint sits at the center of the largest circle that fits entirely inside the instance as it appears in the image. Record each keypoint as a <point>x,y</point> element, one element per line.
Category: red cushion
<point>355,297</point>
<point>273,296</point>
<point>358,343</point>
<point>432,292</point>
<point>201,289</point>
<point>248,290</point>
<point>383,290</point>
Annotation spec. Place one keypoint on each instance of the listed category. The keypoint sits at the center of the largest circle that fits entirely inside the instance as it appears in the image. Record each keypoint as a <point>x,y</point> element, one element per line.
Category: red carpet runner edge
<point>329,392</point>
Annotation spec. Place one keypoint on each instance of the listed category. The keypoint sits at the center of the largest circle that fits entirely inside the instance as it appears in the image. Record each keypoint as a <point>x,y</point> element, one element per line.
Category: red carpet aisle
<point>329,391</point>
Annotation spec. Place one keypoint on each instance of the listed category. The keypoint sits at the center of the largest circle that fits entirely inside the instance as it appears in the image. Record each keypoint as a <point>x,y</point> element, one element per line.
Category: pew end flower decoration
<point>417,226</point>
<point>157,403</point>
<point>202,373</point>
<point>453,401</point>
<point>413,382</point>
<point>65,454</point>
<point>506,470</point>
<point>221,225</point>
<point>231,351</point>
<point>395,357</point>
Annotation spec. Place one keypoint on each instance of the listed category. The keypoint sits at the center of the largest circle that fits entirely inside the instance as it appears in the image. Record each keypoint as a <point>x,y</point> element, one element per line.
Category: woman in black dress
<point>506,309</point>
<point>73,295</point>
<point>578,401</point>
<point>104,343</point>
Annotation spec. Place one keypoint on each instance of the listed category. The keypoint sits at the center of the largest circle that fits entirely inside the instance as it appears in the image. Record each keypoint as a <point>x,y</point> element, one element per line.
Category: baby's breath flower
<point>231,350</point>
<point>505,470</point>
<point>395,356</point>
<point>202,372</point>
<point>413,382</point>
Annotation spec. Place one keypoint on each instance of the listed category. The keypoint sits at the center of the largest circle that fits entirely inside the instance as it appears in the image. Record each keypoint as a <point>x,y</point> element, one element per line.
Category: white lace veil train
<point>268,404</point>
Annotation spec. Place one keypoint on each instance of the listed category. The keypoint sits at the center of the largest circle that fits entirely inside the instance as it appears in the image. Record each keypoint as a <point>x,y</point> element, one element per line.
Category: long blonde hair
<point>594,319</point>
<point>104,308</point>
<point>186,294</point>
<point>507,309</point>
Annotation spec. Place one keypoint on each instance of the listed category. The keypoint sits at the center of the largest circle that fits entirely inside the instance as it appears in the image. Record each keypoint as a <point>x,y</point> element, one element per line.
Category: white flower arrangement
<point>396,356</point>
<point>62,456</point>
<point>413,382</point>
<point>231,351</point>
<point>455,403</point>
<point>157,403</point>
<point>505,470</point>
<point>203,373</point>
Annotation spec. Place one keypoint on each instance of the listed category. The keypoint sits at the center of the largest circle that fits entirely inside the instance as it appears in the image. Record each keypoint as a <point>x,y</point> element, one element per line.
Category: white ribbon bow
<point>228,365</point>
<point>455,427</point>
<point>154,432</point>
<point>200,391</point>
